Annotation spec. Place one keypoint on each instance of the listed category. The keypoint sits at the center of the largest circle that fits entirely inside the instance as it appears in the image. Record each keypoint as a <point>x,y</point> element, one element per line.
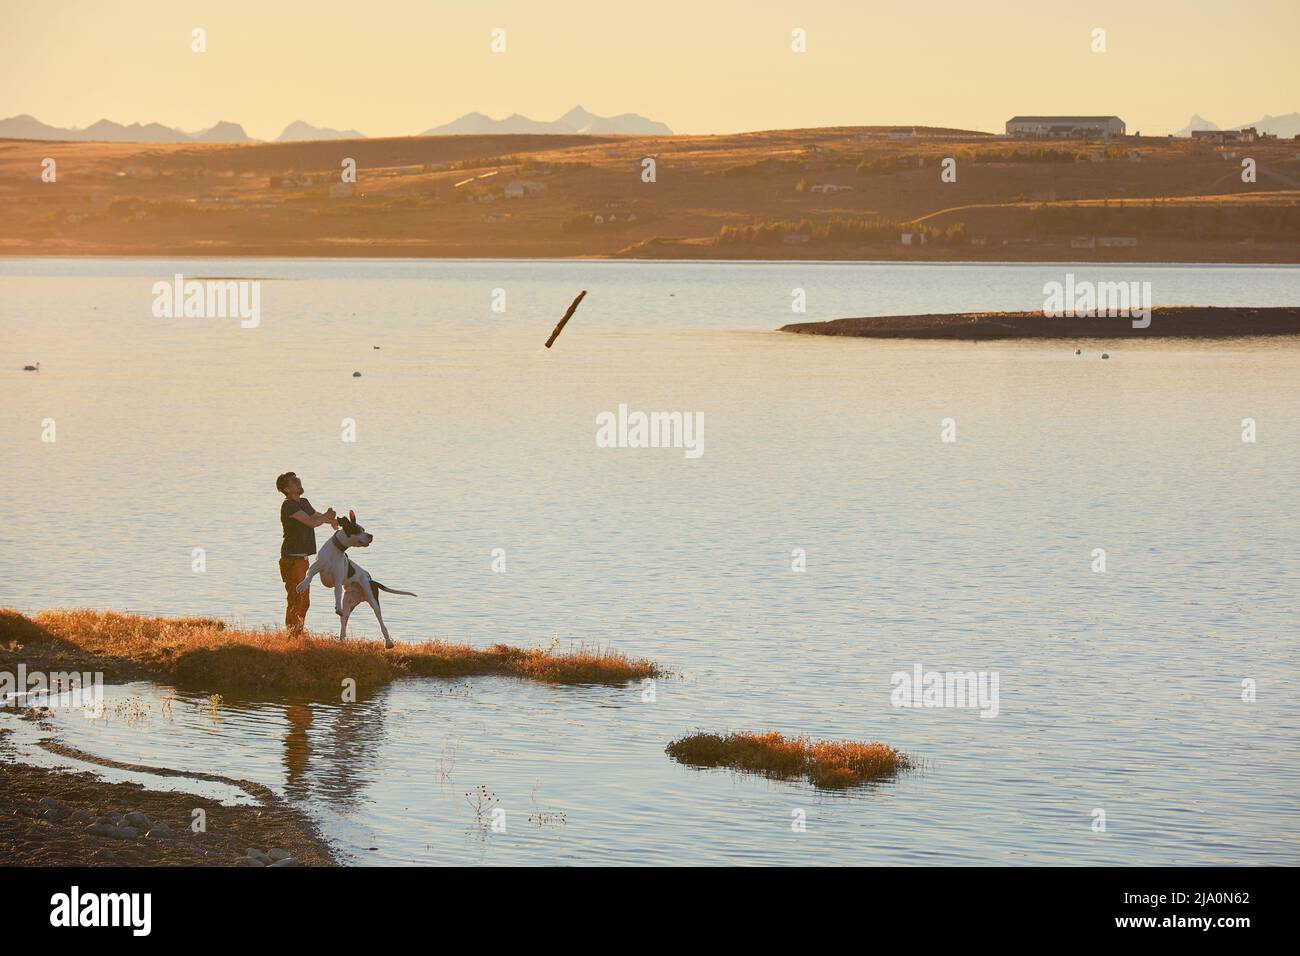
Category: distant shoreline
<point>700,260</point>
<point>1166,322</point>
<point>1211,257</point>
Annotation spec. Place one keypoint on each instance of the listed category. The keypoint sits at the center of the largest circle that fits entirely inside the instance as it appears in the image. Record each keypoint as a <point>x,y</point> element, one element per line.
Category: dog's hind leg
<point>353,598</point>
<point>372,598</point>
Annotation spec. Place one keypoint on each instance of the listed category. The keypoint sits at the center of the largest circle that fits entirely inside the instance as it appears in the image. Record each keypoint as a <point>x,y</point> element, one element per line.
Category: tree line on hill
<point>836,231</point>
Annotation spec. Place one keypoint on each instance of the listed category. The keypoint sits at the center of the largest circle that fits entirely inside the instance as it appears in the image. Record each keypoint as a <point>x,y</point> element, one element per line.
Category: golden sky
<point>397,67</point>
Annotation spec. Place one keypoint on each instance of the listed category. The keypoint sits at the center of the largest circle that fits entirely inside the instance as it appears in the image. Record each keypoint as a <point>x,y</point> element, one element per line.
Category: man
<point>299,521</point>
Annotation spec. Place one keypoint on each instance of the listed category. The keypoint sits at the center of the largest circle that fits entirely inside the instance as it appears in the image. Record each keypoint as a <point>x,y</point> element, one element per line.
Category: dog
<point>351,582</point>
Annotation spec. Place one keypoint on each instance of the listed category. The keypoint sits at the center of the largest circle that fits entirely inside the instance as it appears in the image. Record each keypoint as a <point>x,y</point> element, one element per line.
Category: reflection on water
<point>1120,691</point>
<point>297,750</point>
<point>387,776</point>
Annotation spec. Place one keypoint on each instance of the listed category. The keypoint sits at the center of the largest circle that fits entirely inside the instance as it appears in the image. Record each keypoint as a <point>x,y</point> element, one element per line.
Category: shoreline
<point>700,260</point>
<point>1287,255</point>
<point>44,814</point>
<point>1166,322</point>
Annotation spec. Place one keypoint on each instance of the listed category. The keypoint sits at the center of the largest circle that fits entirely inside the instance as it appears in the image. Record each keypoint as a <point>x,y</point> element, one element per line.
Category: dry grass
<point>831,765</point>
<point>206,653</point>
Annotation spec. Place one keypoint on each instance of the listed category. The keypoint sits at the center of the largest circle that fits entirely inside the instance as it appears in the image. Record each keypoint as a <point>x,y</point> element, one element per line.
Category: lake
<point>1119,691</point>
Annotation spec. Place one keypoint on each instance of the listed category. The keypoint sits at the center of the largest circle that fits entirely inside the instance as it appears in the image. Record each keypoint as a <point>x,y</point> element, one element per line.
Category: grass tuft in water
<point>830,764</point>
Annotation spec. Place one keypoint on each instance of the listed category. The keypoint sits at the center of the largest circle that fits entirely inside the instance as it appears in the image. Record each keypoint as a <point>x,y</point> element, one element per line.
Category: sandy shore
<point>44,822</point>
<point>1168,322</point>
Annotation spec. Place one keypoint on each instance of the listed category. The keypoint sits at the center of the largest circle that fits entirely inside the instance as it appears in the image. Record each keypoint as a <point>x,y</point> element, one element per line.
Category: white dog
<point>350,581</point>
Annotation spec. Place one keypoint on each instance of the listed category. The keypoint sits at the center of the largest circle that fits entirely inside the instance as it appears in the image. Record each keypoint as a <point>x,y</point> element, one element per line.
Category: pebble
<point>82,816</point>
<point>287,861</point>
<point>356,374</point>
<point>160,831</point>
<point>256,854</point>
<point>138,819</point>
<point>276,853</point>
<point>249,861</point>
<point>109,830</point>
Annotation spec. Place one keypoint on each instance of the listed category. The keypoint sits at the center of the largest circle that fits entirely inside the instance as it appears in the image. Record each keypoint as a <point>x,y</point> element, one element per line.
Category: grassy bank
<point>829,764</point>
<point>207,654</point>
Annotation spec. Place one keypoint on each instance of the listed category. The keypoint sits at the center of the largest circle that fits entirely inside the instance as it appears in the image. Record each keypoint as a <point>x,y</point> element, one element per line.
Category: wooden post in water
<point>573,307</point>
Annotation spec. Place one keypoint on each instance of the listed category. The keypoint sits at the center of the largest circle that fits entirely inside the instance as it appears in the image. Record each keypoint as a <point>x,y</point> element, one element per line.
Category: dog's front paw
<point>338,611</point>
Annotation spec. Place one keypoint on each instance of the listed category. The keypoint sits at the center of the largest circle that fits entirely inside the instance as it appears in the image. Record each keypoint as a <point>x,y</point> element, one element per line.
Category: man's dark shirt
<point>298,537</point>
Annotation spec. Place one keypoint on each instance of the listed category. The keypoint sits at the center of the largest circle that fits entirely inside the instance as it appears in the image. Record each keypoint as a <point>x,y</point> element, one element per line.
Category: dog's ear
<point>352,515</point>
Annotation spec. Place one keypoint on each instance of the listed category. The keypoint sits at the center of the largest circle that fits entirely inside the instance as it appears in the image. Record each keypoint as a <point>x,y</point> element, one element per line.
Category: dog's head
<point>356,536</point>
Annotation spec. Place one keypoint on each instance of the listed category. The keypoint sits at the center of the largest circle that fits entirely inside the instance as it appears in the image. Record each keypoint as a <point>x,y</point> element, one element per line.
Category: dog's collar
<point>334,539</point>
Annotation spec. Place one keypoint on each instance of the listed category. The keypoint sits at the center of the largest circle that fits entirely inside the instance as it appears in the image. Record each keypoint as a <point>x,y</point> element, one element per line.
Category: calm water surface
<point>1119,691</point>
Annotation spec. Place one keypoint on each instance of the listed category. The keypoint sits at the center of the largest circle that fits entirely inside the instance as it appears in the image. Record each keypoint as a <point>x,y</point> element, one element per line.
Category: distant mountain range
<point>1283,126</point>
<point>106,131</point>
<point>577,120</point>
<point>298,131</point>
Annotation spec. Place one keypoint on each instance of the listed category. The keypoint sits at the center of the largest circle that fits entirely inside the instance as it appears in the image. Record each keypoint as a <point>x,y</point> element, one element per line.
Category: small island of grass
<point>827,764</point>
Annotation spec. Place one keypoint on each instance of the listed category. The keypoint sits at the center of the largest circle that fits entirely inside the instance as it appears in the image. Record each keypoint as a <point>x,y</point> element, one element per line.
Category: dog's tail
<point>383,587</point>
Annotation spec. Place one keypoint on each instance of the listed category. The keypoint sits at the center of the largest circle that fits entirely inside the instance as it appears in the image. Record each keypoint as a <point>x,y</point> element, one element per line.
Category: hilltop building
<point>1065,127</point>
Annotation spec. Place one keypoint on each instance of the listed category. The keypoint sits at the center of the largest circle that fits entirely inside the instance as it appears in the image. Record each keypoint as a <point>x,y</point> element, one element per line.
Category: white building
<point>523,187</point>
<point>1065,127</point>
